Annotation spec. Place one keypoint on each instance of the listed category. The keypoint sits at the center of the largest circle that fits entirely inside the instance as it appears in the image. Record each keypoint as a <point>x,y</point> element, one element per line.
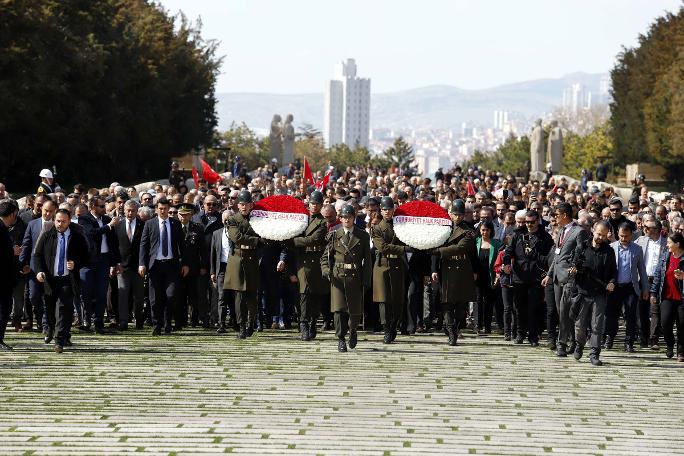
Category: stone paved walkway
<point>199,393</point>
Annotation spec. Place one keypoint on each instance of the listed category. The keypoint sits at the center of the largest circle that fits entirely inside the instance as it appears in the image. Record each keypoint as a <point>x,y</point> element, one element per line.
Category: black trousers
<point>414,308</point>
<point>509,314</point>
<point>59,310</point>
<point>225,299</point>
<point>345,322</point>
<point>454,314</point>
<point>649,321</point>
<point>163,279</point>
<point>623,296</point>
<point>188,300</point>
<point>5,310</point>
<point>552,320</point>
<point>671,312</point>
<point>246,308</point>
<point>527,300</point>
<point>484,307</point>
<point>310,306</point>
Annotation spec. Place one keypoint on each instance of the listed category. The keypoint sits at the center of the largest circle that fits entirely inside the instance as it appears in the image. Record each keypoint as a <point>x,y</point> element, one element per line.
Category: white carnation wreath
<point>422,233</point>
<point>278,226</point>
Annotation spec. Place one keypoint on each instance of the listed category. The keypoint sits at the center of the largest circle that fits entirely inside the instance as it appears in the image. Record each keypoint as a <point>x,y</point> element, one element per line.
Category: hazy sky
<point>292,46</point>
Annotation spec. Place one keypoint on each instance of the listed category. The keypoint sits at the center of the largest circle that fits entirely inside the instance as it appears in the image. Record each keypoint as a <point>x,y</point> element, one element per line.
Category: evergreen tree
<point>400,153</point>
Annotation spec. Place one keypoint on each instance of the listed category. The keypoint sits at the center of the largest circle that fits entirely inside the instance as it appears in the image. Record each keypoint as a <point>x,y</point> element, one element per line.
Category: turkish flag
<point>209,175</point>
<point>308,176</point>
<point>320,185</point>
<point>195,176</point>
<point>470,188</point>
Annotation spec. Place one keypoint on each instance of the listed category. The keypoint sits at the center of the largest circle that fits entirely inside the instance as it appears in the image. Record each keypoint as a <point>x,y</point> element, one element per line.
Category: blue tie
<point>62,255</point>
<point>165,240</point>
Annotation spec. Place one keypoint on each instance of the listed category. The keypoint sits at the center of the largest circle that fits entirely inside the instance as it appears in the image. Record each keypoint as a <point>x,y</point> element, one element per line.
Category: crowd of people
<point>526,260</point>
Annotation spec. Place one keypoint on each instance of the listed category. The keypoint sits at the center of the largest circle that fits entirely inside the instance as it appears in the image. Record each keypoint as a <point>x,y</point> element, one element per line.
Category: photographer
<point>528,250</point>
<point>594,272</point>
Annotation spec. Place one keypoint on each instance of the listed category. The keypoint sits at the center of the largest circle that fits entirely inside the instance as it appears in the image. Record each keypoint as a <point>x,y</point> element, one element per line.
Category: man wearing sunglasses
<point>103,255</point>
<point>528,250</point>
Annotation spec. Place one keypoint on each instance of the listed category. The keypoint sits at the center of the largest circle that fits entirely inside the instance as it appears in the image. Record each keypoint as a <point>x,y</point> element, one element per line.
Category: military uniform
<point>389,273</point>
<point>313,287</point>
<point>454,264</point>
<point>346,261</point>
<point>242,272</point>
<point>197,255</point>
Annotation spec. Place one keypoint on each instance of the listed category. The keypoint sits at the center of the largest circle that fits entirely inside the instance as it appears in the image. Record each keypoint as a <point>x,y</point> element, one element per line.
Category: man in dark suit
<point>130,285</point>
<point>59,255</point>
<point>210,221</point>
<point>9,267</point>
<point>161,245</point>
<point>104,254</point>
<point>193,285</point>
<point>221,250</point>
<point>16,229</point>
<point>33,230</point>
<point>570,236</point>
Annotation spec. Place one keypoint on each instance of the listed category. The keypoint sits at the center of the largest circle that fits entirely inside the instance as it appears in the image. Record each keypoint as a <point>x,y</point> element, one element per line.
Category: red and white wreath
<point>422,224</point>
<point>279,217</point>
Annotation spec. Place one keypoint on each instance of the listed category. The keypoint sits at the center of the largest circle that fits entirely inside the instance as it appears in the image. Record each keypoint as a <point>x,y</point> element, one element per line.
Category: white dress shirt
<point>168,232</point>
<point>652,255</point>
<point>67,236</point>
<point>104,248</point>
<point>226,248</point>
<point>130,225</point>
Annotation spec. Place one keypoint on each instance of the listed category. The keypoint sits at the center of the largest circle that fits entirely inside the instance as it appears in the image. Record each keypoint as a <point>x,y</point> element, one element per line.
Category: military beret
<point>186,208</point>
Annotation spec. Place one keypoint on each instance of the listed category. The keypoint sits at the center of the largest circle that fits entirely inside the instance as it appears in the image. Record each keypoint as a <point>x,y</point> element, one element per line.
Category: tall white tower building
<point>347,107</point>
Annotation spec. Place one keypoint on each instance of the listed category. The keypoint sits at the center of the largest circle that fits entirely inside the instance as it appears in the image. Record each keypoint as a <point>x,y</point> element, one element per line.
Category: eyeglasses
<point>173,212</point>
<point>530,222</point>
<point>101,207</point>
<point>210,203</point>
<point>614,209</point>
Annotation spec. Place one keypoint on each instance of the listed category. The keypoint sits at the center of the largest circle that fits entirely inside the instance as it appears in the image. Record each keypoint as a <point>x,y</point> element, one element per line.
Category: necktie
<point>165,240</point>
<point>347,237</point>
<point>185,229</point>
<point>62,255</point>
<point>130,231</point>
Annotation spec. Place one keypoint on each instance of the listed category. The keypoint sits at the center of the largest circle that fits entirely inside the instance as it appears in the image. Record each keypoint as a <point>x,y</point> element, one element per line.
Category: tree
<point>513,156</point>
<point>585,152</point>
<point>104,89</point>
<point>241,140</point>
<point>645,81</point>
<point>400,153</point>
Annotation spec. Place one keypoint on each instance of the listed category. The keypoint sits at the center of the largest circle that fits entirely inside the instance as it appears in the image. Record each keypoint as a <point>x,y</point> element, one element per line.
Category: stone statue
<point>276,138</point>
<point>554,149</point>
<point>537,154</point>
<point>288,141</point>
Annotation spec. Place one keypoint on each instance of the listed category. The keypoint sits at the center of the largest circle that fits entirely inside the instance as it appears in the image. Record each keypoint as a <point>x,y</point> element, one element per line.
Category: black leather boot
<point>304,331</point>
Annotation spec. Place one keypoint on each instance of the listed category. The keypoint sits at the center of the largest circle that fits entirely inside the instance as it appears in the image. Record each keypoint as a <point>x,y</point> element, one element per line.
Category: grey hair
<point>131,203</point>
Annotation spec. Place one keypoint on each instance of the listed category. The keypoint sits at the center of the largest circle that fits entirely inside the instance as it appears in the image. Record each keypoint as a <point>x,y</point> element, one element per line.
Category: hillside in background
<point>438,106</point>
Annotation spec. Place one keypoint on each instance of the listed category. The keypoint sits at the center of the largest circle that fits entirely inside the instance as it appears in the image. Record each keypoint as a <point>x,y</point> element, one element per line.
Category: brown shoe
<point>59,349</point>
<point>28,326</point>
<point>274,325</point>
<point>680,358</point>
<point>18,328</point>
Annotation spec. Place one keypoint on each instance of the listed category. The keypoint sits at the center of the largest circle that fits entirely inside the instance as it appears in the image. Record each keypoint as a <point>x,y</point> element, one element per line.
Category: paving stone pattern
<point>198,393</point>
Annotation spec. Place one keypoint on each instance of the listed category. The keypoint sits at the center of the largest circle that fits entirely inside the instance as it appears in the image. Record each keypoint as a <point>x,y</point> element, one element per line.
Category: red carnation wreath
<point>279,217</point>
<point>422,224</point>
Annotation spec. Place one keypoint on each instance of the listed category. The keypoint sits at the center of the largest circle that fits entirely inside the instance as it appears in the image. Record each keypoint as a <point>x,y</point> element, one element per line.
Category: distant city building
<point>604,89</point>
<point>500,119</point>
<point>347,107</point>
<point>576,97</point>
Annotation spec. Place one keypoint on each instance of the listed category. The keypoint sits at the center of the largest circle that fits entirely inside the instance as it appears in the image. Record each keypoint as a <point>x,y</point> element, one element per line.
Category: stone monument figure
<point>276,139</point>
<point>288,141</point>
<point>554,149</point>
<point>537,154</point>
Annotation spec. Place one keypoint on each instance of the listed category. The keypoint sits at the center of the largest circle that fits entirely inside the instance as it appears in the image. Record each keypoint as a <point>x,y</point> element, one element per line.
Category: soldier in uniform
<point>197,255</point>
<point>389,271</point>
<point>346,262</point>
<point>313,287</point>
<point>242,273</point>
<point>47,182</point>
<point>452,267</point>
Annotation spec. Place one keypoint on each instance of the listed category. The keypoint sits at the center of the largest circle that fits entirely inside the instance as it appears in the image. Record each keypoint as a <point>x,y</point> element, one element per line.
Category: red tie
<point>130,231</point>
